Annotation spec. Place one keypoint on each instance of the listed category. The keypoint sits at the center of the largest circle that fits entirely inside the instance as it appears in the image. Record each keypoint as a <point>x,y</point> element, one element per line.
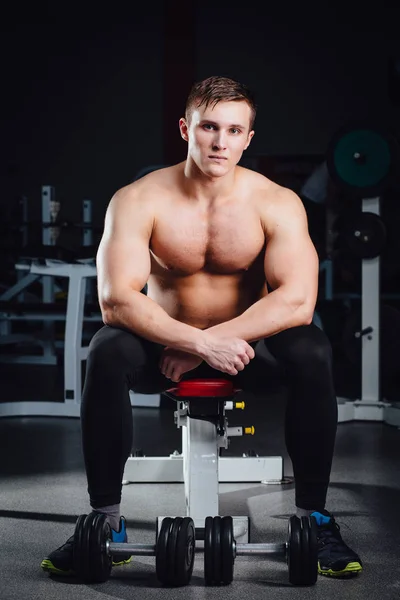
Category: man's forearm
<point>146,318</point>
<point>264,318</point>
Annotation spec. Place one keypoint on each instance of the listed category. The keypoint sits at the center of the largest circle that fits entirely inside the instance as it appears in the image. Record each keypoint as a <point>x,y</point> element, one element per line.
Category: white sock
<point>113,514</point>
<point>303,512</point>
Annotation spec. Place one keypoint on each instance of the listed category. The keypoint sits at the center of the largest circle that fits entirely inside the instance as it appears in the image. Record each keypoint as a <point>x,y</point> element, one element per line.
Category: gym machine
<point>45,311</point>
<point>362,161</point>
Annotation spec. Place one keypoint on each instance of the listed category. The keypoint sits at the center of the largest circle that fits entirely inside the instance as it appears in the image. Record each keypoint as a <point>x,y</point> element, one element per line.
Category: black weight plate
<point>362,159</point>
<point>208,551</point>
<point>227,550</point>
<point>365,235</point>
<point>77,547</point>
<point>100,560</point>
<point>312,551</point>
<point>295,561</point>
<point>86,534</point>
<point>171,550</point>
<point>305,558</point>
<point>309,571</point>
<point>185,549</point>
<point>161,550</point>
<point>217,550</point>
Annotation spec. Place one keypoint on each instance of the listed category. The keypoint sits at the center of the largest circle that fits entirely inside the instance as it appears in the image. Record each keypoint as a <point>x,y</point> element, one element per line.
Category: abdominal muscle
<point>204,300</point>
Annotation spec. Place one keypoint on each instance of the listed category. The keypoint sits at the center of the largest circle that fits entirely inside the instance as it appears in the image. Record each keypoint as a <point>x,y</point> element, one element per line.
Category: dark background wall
<point>84,107</point>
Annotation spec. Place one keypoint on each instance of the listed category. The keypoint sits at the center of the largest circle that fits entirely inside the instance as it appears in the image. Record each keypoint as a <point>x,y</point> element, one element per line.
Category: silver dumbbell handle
<point>260,549</point>
<point>116,548</point>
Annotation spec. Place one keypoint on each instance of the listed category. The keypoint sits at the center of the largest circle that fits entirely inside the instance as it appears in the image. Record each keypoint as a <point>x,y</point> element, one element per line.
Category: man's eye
<point>208,126</point>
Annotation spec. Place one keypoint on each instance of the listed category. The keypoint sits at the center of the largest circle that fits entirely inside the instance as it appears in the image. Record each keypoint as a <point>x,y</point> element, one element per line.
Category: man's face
<point>217,136</point>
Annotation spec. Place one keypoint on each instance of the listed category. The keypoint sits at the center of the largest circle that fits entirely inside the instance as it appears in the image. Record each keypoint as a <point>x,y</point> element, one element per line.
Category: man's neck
<point>205,188</point>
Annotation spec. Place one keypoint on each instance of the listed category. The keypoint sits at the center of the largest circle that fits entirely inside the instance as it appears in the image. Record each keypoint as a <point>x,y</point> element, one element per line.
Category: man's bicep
<point>290,258</point>
<point>122,267</point>
<point>123,258</point>
<point>289,261</point>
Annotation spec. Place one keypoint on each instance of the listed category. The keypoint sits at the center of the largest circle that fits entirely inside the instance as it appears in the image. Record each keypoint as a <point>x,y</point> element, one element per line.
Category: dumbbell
<point>94,549</point>
<point>300,550</point>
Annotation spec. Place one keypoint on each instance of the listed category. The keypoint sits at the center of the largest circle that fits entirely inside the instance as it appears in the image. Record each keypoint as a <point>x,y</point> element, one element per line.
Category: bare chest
<point>227,240</point>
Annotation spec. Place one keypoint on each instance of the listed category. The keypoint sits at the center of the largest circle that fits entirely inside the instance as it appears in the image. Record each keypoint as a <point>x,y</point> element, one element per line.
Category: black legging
<point>119,361</point>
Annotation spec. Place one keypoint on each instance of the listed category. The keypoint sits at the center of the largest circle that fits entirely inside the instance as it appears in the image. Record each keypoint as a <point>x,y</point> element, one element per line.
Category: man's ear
<point>250,137</point>
<point>183,126</point>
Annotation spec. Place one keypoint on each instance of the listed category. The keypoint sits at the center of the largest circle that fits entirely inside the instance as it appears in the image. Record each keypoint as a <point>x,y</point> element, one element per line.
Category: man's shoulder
<point>147,188</point>
<point>156,175</point>
<point>267,191</point>
<point>260,185</point>
<point>277,204</point>
<point>279,197</point>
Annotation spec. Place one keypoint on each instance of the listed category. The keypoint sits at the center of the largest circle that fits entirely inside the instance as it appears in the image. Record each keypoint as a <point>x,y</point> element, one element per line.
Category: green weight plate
<point>362,159</point>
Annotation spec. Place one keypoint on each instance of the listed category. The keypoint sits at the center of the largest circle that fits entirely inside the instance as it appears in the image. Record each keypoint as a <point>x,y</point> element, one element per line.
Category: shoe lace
<point>68,543</point>
<point>330,534</point>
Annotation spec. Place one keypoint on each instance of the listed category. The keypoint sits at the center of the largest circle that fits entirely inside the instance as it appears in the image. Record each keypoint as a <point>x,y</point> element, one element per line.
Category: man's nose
<point>219,141</point>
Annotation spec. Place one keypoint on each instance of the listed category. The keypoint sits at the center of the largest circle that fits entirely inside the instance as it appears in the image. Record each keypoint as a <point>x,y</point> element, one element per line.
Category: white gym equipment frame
<point>200,454</point>
<point>201,469</point>
<point>74,352</point>
<point>370,407</point>
<point>80,276</point>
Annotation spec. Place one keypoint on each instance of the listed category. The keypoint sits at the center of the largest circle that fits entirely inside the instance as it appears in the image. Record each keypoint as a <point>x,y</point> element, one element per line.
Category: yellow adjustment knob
<point>240,405</point>
<point>249,430</point>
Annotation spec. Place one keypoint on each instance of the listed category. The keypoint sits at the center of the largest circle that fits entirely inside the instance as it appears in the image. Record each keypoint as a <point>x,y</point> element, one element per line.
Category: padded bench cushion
<point>201,388</point>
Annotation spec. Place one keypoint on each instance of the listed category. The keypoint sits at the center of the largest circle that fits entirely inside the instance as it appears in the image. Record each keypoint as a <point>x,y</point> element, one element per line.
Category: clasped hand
<point>226,354</point>
<point>174,363</point>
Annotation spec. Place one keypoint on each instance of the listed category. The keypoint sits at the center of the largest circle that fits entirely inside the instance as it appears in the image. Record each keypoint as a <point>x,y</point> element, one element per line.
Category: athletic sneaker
<point>335,558</point>
<point>61,561</point>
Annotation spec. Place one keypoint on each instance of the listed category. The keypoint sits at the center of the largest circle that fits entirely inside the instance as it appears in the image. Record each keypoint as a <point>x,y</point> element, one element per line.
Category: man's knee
<point>319,345</point>
<point>111,347</point>
<point>308,346</point>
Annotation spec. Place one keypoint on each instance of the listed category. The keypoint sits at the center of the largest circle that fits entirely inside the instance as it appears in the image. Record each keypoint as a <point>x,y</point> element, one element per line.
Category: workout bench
<point>201,414</point>
<point>201,407</point>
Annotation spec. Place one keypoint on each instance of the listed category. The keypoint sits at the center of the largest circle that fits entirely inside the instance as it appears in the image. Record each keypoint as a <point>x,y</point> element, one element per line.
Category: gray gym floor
<point>43,490</point>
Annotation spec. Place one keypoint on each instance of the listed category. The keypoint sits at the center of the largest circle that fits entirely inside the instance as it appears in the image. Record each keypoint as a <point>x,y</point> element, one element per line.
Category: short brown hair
<point>214,89</point>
